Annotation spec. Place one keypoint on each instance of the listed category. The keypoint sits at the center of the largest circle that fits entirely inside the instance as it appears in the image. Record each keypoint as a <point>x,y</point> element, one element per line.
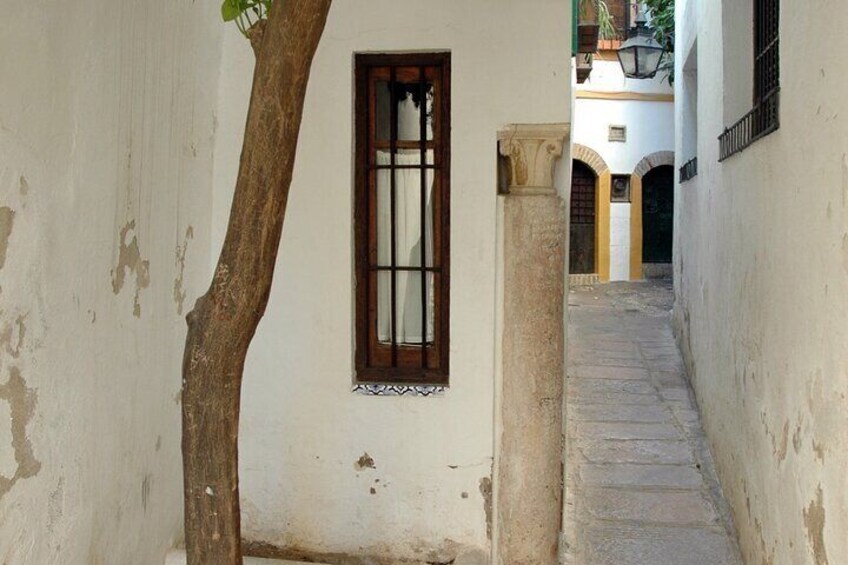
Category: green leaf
<point>230,10</point>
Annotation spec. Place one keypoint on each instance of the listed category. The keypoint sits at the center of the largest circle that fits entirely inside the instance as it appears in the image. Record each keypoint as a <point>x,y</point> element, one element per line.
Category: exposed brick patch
<point>653,161</point>
<point>590,157</point>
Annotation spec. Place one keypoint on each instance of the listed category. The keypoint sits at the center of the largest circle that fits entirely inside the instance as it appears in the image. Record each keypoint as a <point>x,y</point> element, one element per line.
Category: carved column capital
<point>531,152</point>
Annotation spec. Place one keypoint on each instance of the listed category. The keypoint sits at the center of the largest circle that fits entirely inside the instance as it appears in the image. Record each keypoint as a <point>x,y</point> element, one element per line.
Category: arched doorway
<point>658,215</point>
<point>583,219</point>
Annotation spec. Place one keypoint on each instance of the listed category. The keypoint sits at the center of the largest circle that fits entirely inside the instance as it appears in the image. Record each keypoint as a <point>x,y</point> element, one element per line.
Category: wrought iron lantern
<point>640,56</point>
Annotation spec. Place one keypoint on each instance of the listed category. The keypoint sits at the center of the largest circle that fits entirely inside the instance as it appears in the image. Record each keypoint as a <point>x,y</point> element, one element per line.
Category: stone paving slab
<point>661,506</point>
<point>628,430</point>
<point>636,451</point>
<point>620,398</point>
<point>643,413</point>
<point>658,546</point>
<point>606,372</point>
<point>627,475</point>
<point>640,485</point>
<point>631,386</point>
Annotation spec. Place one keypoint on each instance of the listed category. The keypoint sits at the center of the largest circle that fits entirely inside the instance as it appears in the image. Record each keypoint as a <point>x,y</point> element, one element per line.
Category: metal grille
<point>582,195</point>
<point>689,170</point>
<point>767,47</point>
<point>764,118</point>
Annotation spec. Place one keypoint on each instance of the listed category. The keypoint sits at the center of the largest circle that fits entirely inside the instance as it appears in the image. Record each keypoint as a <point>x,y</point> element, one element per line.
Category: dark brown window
<point>766,49</point>
<point>764,118</point>
<point>402,218</point>
<point>620,12</point>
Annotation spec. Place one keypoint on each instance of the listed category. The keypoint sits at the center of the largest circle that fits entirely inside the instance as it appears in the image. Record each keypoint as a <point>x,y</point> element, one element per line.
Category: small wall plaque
<point>618,133</point>
<point>620,188</point>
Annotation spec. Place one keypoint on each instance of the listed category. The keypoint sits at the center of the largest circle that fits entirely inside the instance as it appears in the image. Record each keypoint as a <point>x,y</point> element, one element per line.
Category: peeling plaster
<point>129,258</point>
<point>845,252</point>
<point>145,491</point>
<point>22,402</point>
<point>9,342</point>
<point>179,291</point>
<point>56,504</point>
<point>7,220</point>
<point>364,462</point>
<point>784,441</point>
<point>486,491</point>
<point>844,180</point>
<point>814,518</point>
<point>819,450</point>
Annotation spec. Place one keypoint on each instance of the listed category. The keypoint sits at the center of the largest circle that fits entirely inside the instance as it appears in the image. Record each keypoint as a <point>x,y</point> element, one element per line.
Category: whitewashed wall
<point>761,277</point>
<point>619,241</point>
<point>303,430</point>
<point>106,124</point>
<point>650,128</point>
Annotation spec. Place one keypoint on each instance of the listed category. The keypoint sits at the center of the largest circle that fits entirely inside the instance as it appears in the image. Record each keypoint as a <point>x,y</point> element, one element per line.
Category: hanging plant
<point>662,22</point>
<point>595,22</point>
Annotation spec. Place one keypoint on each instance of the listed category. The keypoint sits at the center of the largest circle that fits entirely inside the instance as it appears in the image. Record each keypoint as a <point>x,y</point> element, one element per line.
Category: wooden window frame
<point>432,365</point>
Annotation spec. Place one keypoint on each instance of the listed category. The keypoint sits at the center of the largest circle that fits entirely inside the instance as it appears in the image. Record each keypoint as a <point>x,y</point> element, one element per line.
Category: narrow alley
<point>641,489</point>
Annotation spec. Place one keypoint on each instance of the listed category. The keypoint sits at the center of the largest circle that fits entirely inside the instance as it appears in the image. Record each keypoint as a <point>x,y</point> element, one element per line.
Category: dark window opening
<point>581,257</point>
<point>658,215</point>
<point>402,218</point>
<point>764,118</point>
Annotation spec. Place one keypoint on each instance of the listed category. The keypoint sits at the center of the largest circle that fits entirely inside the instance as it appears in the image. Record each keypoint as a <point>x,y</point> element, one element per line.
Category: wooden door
<point>581,259</point>
<point>658,215</point>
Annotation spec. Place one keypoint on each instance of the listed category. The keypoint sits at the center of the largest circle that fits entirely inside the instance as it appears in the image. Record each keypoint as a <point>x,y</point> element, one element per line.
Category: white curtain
<point>408,242</point>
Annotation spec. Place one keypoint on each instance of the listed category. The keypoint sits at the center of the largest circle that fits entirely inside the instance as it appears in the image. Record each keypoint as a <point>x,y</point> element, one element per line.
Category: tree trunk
<point>222,324</point>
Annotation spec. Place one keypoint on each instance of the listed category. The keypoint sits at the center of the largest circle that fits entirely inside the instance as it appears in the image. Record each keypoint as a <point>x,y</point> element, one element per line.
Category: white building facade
<point>760,268</point>
<point>397,471</point>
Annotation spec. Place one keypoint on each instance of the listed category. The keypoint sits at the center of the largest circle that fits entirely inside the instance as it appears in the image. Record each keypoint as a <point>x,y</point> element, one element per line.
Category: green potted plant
<point>595,23</point>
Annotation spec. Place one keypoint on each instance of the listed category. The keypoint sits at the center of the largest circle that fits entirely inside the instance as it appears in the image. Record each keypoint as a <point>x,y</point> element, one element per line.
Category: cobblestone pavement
<point>641,489</point>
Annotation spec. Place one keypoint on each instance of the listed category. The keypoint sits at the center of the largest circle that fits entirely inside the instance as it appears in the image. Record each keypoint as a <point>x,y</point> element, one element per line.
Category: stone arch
<point>590,157</point>
<point>653,161</point>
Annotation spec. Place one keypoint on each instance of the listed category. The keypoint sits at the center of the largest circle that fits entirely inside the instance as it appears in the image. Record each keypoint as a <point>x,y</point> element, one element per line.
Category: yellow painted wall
<point>602,226</point>
<point>635,228</point>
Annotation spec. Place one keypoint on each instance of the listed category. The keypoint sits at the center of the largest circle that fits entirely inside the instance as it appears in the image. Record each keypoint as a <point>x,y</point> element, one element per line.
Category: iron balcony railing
<point>758,123</point>
<point>689,170</point>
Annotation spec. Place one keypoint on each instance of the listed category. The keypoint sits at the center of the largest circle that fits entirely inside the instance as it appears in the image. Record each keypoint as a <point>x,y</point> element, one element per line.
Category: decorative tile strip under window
<point>689,170</point>
<point>398,390</point>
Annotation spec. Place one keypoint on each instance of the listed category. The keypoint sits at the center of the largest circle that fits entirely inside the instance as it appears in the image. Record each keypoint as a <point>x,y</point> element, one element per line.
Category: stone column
<point>532,255</point>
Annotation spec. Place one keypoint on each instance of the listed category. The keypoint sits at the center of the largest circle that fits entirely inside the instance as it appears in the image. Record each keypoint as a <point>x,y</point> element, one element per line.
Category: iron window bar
<point>422,136</point>
<point>393,135</point>
<point>756,124</point>
<point>764,118</point>
<point>689,170</point>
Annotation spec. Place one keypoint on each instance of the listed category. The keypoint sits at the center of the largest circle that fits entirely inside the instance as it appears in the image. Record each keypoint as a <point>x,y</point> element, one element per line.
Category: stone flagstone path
<point>641,489</point>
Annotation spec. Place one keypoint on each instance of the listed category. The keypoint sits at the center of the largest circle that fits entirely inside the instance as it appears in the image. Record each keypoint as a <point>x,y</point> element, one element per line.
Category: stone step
<point>178,557</point>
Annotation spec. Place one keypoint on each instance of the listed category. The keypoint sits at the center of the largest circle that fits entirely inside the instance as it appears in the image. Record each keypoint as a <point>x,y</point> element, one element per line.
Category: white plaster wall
<point>619,241</point>
<point>761,277</point>
<point>302,429</point>
<point>650,128</point>
<point>106,122</point>
<point>607,76</point>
